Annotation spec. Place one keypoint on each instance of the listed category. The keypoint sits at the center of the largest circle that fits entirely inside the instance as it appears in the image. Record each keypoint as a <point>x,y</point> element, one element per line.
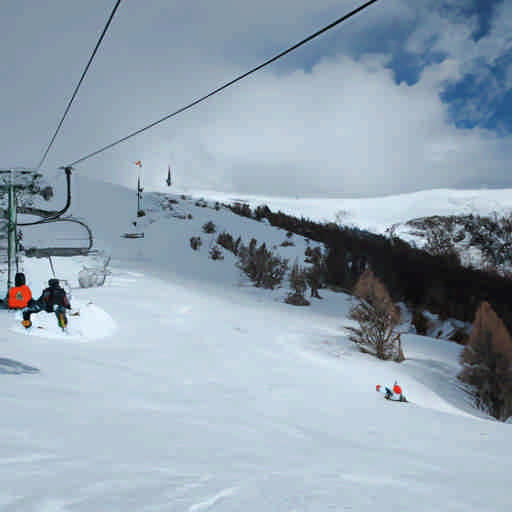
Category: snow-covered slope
<point>182,388</point>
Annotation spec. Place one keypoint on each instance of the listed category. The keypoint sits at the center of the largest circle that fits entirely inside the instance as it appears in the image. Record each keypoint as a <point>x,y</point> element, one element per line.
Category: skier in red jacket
<point>395,393</point>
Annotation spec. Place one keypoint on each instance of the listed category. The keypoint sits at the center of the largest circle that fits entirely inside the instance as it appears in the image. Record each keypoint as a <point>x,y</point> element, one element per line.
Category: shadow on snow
<point>12,367</point>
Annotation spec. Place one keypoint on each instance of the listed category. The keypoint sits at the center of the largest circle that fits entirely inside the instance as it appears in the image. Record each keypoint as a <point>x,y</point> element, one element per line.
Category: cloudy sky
<point>404,96</point>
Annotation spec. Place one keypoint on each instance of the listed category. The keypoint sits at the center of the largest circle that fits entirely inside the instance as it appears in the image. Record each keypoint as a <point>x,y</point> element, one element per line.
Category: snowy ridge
<point>377,214</point>
<point>181,387</point>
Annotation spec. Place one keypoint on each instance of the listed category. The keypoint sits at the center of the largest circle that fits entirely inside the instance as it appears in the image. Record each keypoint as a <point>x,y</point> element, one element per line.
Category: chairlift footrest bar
<point>133,235</point>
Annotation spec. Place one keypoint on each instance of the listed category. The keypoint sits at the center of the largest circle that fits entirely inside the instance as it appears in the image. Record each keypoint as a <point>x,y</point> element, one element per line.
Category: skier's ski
<point>402,399</point>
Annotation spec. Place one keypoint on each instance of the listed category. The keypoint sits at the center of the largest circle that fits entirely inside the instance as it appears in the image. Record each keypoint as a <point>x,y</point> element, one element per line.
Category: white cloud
<point>345,128</point>
<point>453,36</point>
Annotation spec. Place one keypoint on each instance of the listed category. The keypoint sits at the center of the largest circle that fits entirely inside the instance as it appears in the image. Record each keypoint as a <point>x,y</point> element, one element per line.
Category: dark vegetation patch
<point>438,283</point>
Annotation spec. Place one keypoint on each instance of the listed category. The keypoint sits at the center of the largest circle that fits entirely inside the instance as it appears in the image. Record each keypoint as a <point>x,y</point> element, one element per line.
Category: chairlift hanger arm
<point>44,252</point>
<point>51,215</point>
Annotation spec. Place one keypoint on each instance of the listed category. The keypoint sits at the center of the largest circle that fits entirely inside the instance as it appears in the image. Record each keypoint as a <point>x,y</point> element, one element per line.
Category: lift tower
<point>9,185</point>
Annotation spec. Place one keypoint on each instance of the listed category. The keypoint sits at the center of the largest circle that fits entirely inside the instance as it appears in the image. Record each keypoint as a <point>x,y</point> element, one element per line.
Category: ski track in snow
<point>213,500</point>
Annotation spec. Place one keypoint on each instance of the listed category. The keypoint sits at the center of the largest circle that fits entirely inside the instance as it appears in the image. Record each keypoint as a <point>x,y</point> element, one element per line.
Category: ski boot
<point>62,320</point>
<point>26,323</point>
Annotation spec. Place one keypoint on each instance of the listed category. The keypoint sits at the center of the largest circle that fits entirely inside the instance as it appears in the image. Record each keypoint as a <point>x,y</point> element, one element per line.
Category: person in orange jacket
<point>20,294</point>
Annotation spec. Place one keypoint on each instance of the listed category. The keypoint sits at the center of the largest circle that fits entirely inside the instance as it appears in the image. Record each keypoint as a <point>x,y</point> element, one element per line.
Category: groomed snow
<point>182,388</point>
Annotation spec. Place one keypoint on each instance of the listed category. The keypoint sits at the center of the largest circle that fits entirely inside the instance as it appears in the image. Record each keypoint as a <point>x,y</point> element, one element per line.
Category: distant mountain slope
<point>471,222</point>
<point>377,214</point>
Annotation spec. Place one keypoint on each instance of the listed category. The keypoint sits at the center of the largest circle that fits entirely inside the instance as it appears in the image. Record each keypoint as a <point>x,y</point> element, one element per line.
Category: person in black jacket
<point>52,300</point>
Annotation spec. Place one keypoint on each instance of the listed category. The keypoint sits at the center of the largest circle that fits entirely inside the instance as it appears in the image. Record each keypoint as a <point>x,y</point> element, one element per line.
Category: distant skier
<point>395,393</point>
<point>19,294</point>
<point>52,300</point>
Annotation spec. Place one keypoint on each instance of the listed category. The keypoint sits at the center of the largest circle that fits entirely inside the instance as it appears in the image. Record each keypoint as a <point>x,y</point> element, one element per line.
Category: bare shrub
<point>460,336</point>
<point>314,280</point>
<point>92,277</point>
<point>398,355</point>
<point>89,278</point>
<point>287,243</point>
<point>420,322</point>
<point>209,227</point>
<point>487,363</point>
<point>242,209</point>
<point>298,286</point>
<point>226,240</point>
<point>378,319</point>
<point>315,275</point>
<point>298,279</point>
<point>195,242</point>
<point>295,299</point>
<point>216,253</point>
<point>313,256</point>
<point>261,212</point>
<point>261,265</point>
<point>439,241</point>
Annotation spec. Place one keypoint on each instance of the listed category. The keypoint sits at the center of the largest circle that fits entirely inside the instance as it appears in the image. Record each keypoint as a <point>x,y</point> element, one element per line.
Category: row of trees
<point>438,283</point>
<point>490,235</point>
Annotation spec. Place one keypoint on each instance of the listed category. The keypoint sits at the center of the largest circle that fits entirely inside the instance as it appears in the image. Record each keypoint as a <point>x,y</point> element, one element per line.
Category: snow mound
<point>86,322</point>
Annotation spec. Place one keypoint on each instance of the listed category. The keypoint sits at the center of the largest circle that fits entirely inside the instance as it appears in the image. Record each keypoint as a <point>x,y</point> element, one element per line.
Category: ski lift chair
<point>133,234</point>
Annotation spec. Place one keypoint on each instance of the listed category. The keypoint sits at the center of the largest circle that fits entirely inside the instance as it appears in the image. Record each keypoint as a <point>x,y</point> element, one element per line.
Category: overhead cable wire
<point>228,84</point>
<point>79,84</point>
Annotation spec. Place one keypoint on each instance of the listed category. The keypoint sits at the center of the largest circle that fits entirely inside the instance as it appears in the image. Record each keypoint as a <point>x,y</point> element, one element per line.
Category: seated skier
<point>19,294</point>
<point>52,300</point>
<point>394,393</point>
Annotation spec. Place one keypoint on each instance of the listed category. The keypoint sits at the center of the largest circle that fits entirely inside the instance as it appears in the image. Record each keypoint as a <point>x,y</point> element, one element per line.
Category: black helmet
<point>19,279</point>
<point>53,283</point>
